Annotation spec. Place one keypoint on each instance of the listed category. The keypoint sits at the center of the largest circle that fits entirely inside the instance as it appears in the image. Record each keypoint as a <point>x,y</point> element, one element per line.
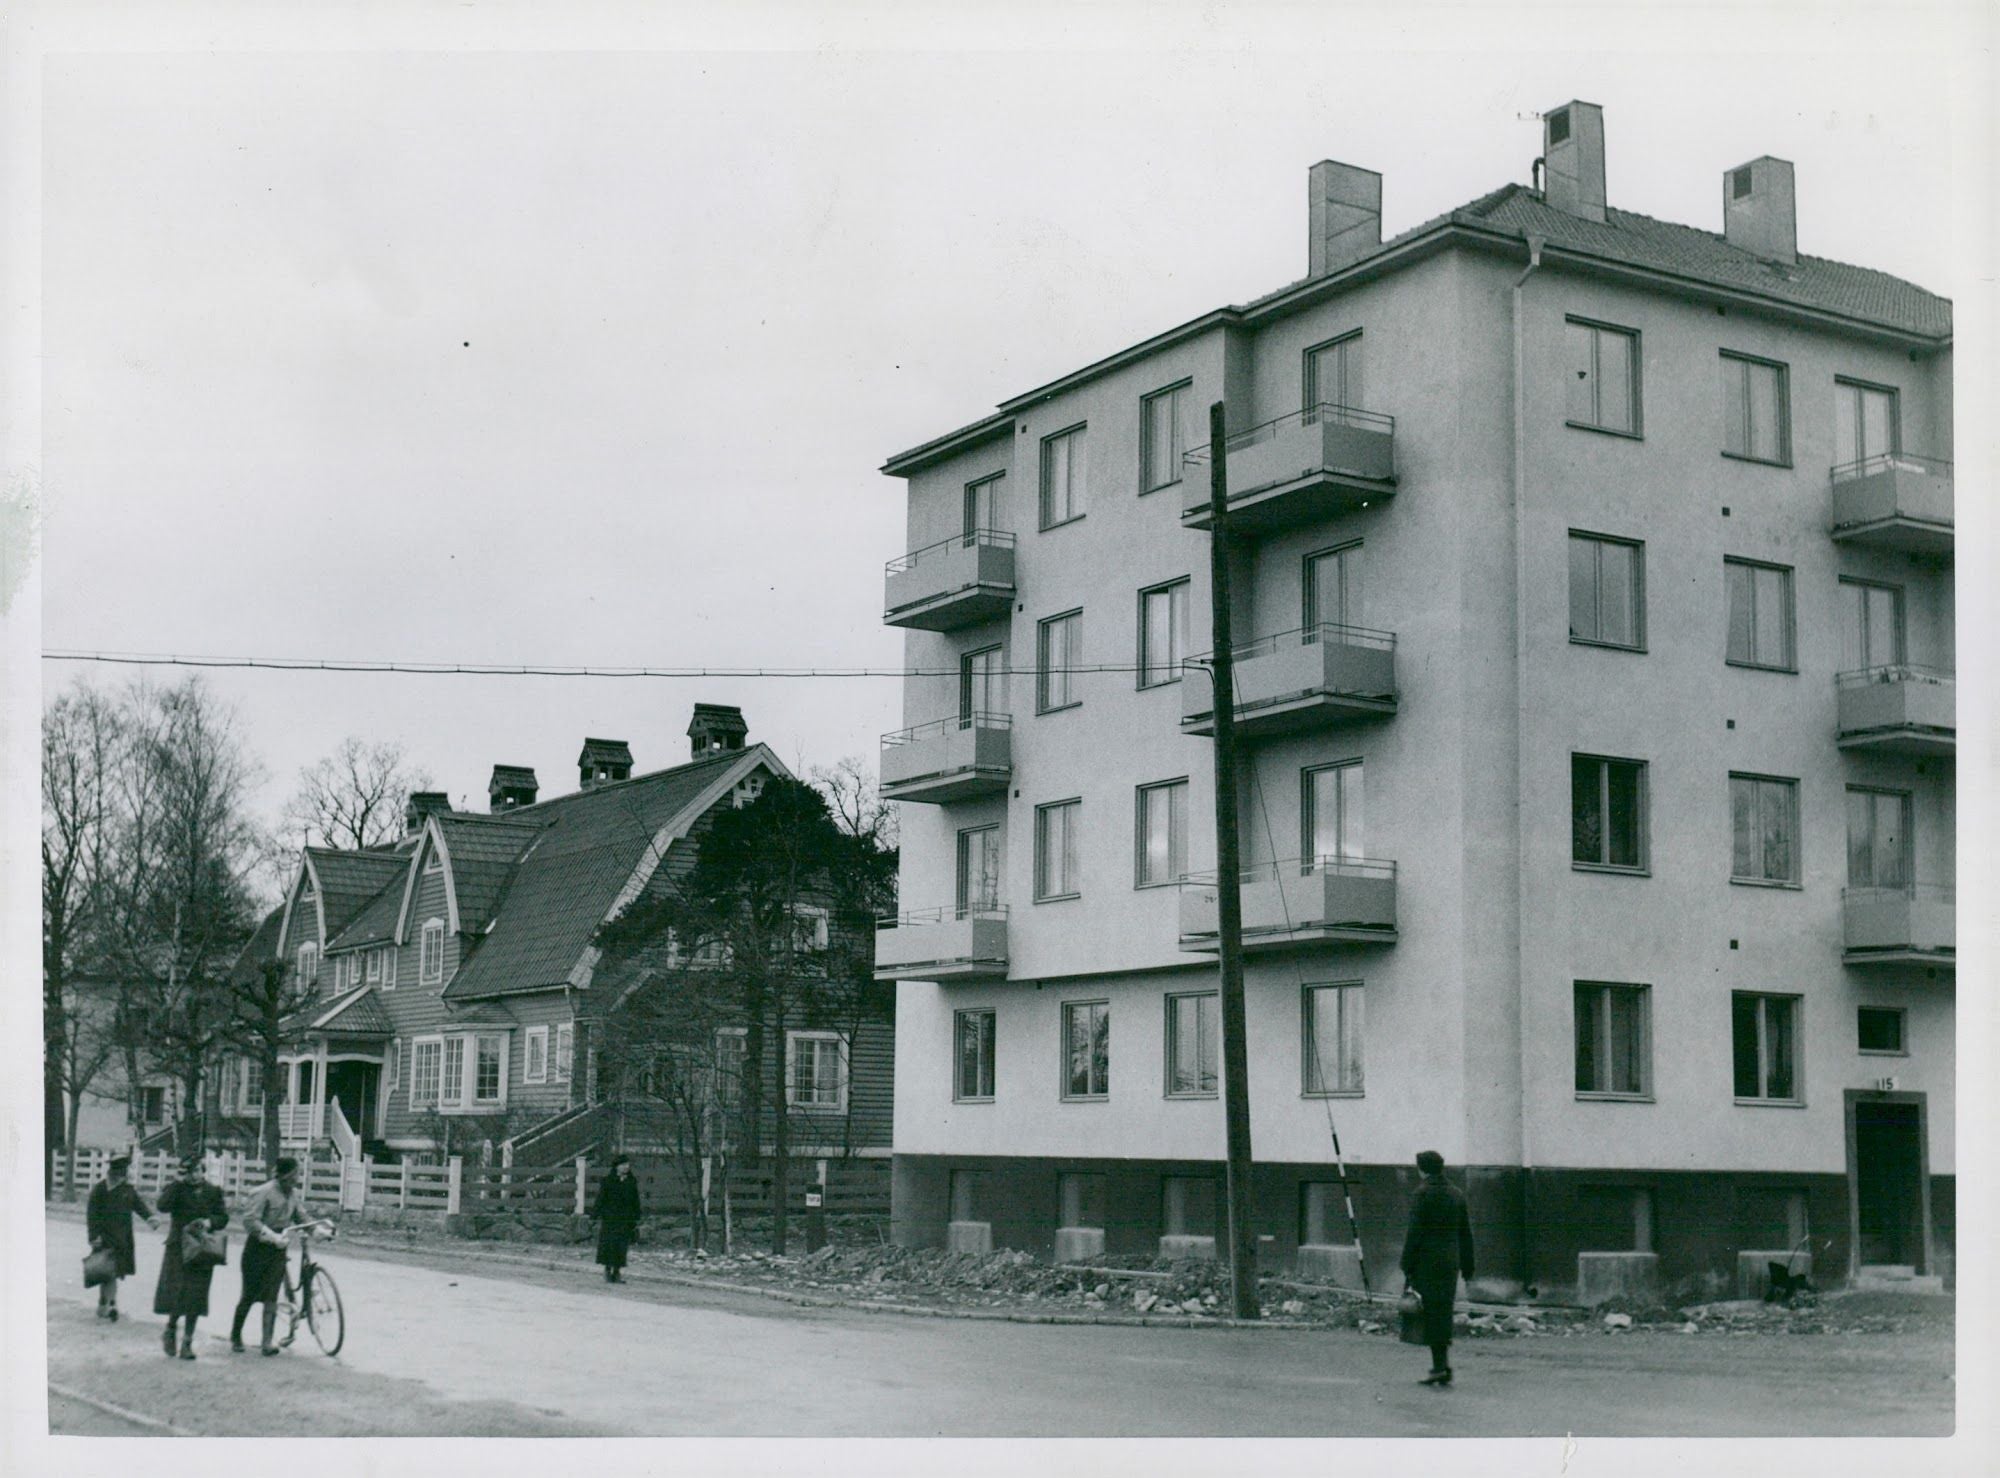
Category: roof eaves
<point>978,433</point>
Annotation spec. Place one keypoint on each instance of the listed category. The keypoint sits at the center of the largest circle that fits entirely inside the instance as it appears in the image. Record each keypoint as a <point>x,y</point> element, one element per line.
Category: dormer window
<point>308,962</point>
<point>433,862</point>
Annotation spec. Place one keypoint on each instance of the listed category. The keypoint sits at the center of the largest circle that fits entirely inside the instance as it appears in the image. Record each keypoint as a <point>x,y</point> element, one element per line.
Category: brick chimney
<point>715,728</point>
<point>1573,159</point>
<point>1760,209</point>
<point>1344,212</point>
<point>511,786</point>
<point>603,761</point>
<point>421,805</point>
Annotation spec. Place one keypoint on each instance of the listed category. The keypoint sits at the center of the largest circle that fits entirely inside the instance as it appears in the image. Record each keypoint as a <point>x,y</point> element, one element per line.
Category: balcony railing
<point>1297,901</point>
<point>1916,923</point>
<point>1297,469</point>
<point>949,759</point>
<point>1895,500</point>
<point>1304,678</point>
<point>1899,707</point>
<point>943,944</point>
<point>955,582</point>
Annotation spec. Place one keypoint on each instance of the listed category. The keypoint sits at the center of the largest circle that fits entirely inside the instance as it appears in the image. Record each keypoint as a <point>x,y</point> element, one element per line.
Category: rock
<point>1292,1307</point>
<point>1102,1290</point>
<point>1144,1300</point>
<point>1689,1327</point>
<point>1523,1324</point>
<point>1369,1326</point>
<point>1617,1321</point>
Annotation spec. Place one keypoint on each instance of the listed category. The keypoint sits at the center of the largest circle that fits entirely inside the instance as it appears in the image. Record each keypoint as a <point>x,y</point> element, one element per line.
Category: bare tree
<point>353,798</point>
<point>854,799</point>
<point>260,995</point>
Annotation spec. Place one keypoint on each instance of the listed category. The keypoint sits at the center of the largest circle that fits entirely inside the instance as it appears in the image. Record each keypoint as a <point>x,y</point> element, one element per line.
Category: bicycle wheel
<point>329,1325</point>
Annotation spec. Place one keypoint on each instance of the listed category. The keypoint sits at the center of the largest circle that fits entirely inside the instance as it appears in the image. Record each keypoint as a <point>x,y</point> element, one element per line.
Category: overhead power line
<point>513,669</point>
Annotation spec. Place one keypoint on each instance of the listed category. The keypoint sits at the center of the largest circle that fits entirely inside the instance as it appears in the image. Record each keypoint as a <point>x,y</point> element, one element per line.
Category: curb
<point>124,1414</point>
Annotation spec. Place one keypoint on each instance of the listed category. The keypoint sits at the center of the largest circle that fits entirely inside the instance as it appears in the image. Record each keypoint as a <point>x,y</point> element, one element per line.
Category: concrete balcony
<point>943,944</point>
<point>1905,709</point>
<point>955,582</point>
<point>1287,904</point>
<point>1913,925</point>
<point>1297,470</point>
<point>1895,501</point>
<point>1315,677</point>
<point>952,759</point>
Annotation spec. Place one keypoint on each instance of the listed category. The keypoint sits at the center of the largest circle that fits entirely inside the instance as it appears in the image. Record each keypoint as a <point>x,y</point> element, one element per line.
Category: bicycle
<point>314,1297</point>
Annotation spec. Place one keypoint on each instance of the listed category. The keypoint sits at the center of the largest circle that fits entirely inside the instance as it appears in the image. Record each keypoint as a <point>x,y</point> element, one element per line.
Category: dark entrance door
<point>352,1085</point>
<point>1888,1183</point>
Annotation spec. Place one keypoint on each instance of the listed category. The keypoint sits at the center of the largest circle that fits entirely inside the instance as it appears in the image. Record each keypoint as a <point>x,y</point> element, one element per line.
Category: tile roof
<point>347,880</point>
<point>261,950</point>
<point>356,1014</point>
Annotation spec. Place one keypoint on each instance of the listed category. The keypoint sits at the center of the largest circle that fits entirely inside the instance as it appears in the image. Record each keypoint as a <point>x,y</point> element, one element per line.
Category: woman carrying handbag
<point>108,1221</point>
<point>1436,1254</point>
<point>196,1218</point>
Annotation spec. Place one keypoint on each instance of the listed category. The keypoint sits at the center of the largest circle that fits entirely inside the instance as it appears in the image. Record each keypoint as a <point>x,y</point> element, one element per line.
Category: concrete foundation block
<point>1601,1276</point>
<point>975,1237</point>
<point>1329,1263</point>
<point>1179,1249</point>
<point>1753,1270</point>
<point>1075,1244</point>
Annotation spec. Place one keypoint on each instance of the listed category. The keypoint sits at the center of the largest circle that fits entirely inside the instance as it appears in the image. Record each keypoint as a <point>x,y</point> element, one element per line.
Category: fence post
<point>582,1185</point>
<point>404,1203</point>
<point>367,1178</point>
<point>451,1183</point>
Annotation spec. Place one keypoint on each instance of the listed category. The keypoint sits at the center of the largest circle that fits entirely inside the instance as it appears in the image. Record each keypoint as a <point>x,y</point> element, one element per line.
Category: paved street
<point>436,1351</point>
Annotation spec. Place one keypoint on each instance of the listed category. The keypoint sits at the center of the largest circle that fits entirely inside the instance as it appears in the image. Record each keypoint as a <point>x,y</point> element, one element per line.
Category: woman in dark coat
<point>1436,1253</point>
<point>108,1221</point>
<point>182,1294</point>
<point>617,1213</point>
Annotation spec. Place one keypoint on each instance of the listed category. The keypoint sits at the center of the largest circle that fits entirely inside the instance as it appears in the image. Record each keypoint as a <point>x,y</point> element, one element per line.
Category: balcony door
<point>978,870</point>
<point>982,505</point>
<point>1871,625</point>
<point>1878,838</point>
<point>1333,588</point>
<point>1333,374</point>
<point>1333,815</point>
<point>1865,423</point>
<point>982,684</point>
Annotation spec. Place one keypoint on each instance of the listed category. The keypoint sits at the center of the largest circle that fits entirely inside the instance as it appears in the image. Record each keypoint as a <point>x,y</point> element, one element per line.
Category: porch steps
<point>573,1132</point>
<point>1895,1278</point>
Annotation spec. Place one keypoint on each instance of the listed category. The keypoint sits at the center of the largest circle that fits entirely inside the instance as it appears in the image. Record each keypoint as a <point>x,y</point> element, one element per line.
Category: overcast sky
<point>592,357</point>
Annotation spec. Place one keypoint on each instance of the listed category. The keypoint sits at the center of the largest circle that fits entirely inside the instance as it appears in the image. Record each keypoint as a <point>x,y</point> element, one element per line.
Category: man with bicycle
<point>274,1207</point>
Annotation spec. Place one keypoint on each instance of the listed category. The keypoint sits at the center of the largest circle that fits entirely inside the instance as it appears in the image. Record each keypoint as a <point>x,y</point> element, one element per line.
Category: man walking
<point>274,1206</point>
<point>1437,1251</point>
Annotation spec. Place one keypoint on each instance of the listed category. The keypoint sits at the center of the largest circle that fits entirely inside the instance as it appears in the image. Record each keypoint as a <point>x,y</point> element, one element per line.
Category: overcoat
<point>1436,1252</point>
<point>617,1213</point>
<point>183,1291</point>
<point>108,1220</point>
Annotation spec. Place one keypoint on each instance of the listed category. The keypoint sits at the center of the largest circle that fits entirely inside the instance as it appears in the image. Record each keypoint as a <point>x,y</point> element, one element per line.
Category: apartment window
<point>1163,827</point>
<point>1194,1044</point>
<point>1607,591</point>
<point>1603,368</point>
<point>1086,1049</point>
<point>1756,409</point>
<point>982,503</point>
<point>1333,373</point>
<point>1055,849</point>
<point>982,684</point>
<point>1878,838</point>
<point>308,963</point>
<point>1058,649</point>
<point>1062,477</point>
<point>489,1071</point>
<point>978,869</point>
<point>812,929</point>
<point>1866,421</point>
<point>430,956</point>
<point>1331,829</point>
<point>535,1056</point>
<point>451,1087</point>
<point>1613,1040</point>
<point>1607,812</point>
<point>1880,1029</point>
<point>972,1056</point>
<point>565,1050</point>
<point>1330,587</point>
<point>1162,437</point>
<point>1331,1016</point>
<point>153,1105</point>
<point>426,1058</point>
<point>1871,625</point>
<point>1764,1040</point>
<point>815,1071</point>
<point>1163,633</point>
<point>1764,827</point>
<point>1760,615</point>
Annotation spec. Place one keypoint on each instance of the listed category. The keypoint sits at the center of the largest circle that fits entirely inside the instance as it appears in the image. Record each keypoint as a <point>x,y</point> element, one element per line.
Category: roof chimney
<point>1344,214</point>
<point>511,786</point>
<point>1573,146</point>
<point>716,727</point>
<point>1760,209</point>
<point>603,761</point>
<point>422,804</point>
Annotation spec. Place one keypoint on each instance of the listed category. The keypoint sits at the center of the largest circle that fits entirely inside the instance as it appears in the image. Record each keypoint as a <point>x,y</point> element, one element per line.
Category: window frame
<point>1078,488</point>
<point>476,1044</point>
<point>308,974</point>
<point>1178,633</point>
<point>970,672</point>
<point>388,967</point>
<point>1173,394</point>
<point>820,1040</point>
<point>1798,1011</point>
<point>1601,1053</point>
<point>1064,1016</point>
<point>1309,1086</point>
<point>963,895</point>
<point>1790,663</point>
<point>1141,850</point>
<point>1634,339</point>
<point>1737,404</point>
<point>988,1063</point>
<point>1045,670</point>
<point>1311,859</point>
<point>1898,617</point>
<point>1750,880</point>
<point>420,1047</point>
<point>1906,825</point>
<point>430,972</point>
<point>970,498</point>
<point>1204,999</point>
<point>1902,1017</point>
<point>1072,860</point>
<point>534,1062</point>
<point>1311,616</point>
<point>1895,418</point>
<point>1644,866</point>
<point>452,1079</point>
<point>562,1058</point>
<point>1311,397</point>
<point>1638,611</point>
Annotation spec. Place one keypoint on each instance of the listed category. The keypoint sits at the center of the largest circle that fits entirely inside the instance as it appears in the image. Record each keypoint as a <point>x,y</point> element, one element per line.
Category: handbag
<point>99,1266</point>
<point>201,1248</point>
<point>1410,1318</point>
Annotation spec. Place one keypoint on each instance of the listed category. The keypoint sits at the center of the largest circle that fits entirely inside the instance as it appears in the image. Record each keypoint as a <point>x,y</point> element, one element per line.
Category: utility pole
<point>1228,887</point>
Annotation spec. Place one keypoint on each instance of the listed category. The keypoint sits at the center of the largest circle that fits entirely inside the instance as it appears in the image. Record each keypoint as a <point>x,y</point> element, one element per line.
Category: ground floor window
<point>1880,1029</point>
<point>1764,1042</point>
<point>972,1056</point>
<point>535,1065</point>
<point>1086,1049</point>
<point>1613,1039</point>
<point>1331,1018</point>
<point>1194,1044</point>
<point>815,1071</point>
